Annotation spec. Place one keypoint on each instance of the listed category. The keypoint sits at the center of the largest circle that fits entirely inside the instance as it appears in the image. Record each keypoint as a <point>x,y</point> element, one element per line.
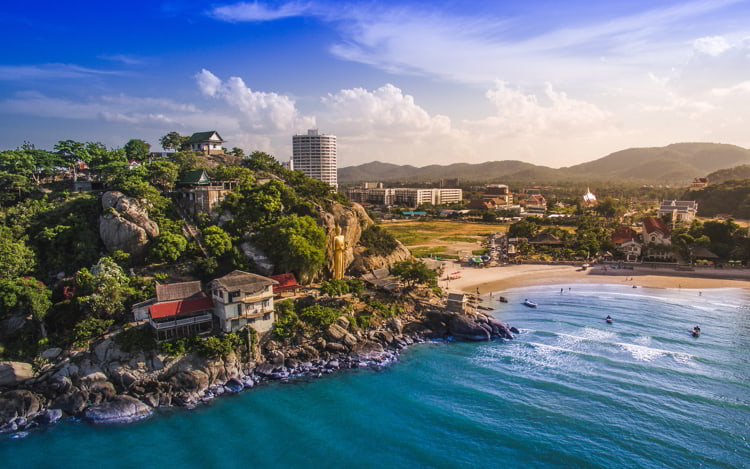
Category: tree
<point>413,272</point>
<point>296,244</point>
<point>187,160</point>
<point>104,288</point>
<point>217,241</point>
<point>261,161</point>
<point>254,206</point>
<point>163,173</point>
<point>25,295</point>
<point>137,149</point>
<point>173,141</point>
<point>523,229</point>
<point>238,152</point>
<point>16,258</point>
<point>168,247</point>
<point>224,172</point>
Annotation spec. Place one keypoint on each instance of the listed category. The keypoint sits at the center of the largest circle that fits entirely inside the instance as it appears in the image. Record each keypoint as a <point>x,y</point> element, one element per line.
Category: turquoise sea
<point>570,391</point>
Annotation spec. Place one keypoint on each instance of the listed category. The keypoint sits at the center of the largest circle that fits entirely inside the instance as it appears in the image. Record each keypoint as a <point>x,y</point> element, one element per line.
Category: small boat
<point>609,320</point>
<point>503,299</point>
<point>529,303</point>
<point>696,331</point>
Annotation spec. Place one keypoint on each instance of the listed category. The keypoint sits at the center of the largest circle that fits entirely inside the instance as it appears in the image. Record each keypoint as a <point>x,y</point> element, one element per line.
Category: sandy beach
<point>494,279</point>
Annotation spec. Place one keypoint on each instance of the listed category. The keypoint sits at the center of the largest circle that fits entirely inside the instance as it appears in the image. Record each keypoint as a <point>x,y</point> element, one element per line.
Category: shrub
<point>136,339</point>
<point>220,346</point>
<point>287,322</point>
<point>90,328</point>
<point>319,316</point>
<point>378,241</point>
<point>334,287</point>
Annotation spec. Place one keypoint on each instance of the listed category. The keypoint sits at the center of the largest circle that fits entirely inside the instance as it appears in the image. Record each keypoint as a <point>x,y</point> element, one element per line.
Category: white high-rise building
<point>315,155</point>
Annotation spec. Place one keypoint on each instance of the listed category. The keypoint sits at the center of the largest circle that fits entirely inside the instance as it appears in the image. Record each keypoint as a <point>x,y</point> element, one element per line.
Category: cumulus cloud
<point>261,111</point>
<point>556,113</point>
<point>385,111</point>
<point>255,11</point>
<point>711,45</point>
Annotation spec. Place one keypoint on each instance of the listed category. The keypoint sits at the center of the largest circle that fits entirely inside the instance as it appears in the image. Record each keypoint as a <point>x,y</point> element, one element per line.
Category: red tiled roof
<point>651,224</point>
<point>286,282</point>
<point>180,307</point>
<point>623,234</point>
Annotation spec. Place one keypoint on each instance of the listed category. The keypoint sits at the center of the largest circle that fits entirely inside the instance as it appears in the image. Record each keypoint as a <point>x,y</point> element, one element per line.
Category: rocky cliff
<point>125,225</point>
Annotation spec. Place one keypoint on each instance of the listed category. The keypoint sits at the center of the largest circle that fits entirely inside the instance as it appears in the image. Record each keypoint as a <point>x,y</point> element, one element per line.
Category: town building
<point>498,191</point>
<point>698,184</point>
<point>243,299</point>
<point>315,155</point>
<point>657,237</point>
<point>197,193</point>
<point>535,204</point>
<point>208,143</point>
<point>679,210</point>
<point>626,241</point>
<point>406,196</point>
<point>179,310</point>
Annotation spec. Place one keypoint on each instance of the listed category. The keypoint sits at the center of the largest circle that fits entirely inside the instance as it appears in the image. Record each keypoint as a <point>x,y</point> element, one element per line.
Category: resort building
<point>658,238</point>
<point>679,210</point>
<point>243,299</point>
<point>315,155</point>
<point>626,241</point>
<point>197,193</point>
<point>409,197</point>
<point>208,143</point>
<point>535,204</point>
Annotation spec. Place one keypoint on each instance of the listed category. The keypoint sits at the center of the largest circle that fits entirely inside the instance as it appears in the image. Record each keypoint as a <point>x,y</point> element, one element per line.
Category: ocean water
<point>570,391</point>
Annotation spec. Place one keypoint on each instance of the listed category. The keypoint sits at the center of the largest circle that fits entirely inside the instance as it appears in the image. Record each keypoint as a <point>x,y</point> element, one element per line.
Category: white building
<point>243,299</point>
<point>679,210</point>
<point>411,197</point>
<point>208,143</point>
<point>315,155</point>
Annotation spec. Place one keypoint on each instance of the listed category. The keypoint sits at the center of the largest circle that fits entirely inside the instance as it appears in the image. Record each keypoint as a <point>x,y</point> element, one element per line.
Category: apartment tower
<point>315,155</point>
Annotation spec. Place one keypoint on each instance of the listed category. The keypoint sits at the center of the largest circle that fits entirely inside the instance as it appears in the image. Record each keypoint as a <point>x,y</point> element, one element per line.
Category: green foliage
<point>206,268</point>
<point>179,347</point>
<point>188,160</point>
<point>224,172</point>
<point>523,229</point>
<point>173,141</point>
<point>168,247</point>
<point>25,295</point>
<point>16,258</point>
<point>729,197</point>
<point>334,287</point>
<point>220,346</point>
<point>261,161</point>
<point>296,244</point>
<point>136,339</point>
<point>216,240</point>
<point>238,152</point>
<point>414,272</point>
<point>287,323</point>
<point>254,206</point>
<point>319,316</point>
<point>139,188</point>
<point>137,149</point>
<point>385,310</point>
<point>90,328</point>
<point>378,241</point>
<point>104,290</point>
<point>163,173</point>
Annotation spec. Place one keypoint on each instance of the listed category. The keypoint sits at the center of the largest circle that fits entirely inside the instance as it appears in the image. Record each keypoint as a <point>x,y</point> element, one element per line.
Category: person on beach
<point>561,291</point>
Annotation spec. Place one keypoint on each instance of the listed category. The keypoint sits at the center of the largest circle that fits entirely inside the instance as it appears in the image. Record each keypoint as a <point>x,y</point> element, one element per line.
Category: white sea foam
<point>644,353</point>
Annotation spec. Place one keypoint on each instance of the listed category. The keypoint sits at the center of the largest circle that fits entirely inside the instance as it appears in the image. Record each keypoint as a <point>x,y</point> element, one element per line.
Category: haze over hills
<point>676,163</point>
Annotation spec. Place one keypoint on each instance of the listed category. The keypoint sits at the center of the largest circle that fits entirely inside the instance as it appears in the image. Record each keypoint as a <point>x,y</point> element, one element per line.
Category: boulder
<point>366,349</point>
<point>500,329</point>
<point>122,409</point>
<point>352,220</point>
<point>464,327</point>
<point>336,333</point>
<point>12,373</point>
<point>18,403</point>
<point>365,262</point>
<point>49,416</point>
<point>51,353</point>
<point>396,326</point>
<point>336,347</point>
<point>12,324</point>
<point>189,380</point>
<point>125,225</point>
<point>72,402</point>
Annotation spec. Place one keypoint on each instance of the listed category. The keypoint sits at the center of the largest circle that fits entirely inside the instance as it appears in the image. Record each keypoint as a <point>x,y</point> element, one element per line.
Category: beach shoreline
<point>497,279</point>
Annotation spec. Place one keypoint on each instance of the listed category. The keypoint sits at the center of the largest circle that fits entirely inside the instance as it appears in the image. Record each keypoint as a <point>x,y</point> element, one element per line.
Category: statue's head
<point>338,230</point>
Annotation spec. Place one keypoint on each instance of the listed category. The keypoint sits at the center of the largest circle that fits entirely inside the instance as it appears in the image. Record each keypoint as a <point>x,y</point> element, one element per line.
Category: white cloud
<point>739,88</point>
<point>124,58</point>
<point>711,45</point>
<point>260,111</point>
<point>255,11</point>
<point>386,112</point>
<point>49,71</point>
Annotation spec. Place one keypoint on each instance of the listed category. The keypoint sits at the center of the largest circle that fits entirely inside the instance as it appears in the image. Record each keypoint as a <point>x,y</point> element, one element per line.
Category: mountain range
<point>675,163</point>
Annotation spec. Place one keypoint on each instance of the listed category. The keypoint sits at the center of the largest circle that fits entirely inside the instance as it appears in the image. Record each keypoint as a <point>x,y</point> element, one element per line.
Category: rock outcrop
<point>365,262</point>
<point>352,220</point>
<point>122,409</point>
<point>125,225</point>
<point>12,373</point>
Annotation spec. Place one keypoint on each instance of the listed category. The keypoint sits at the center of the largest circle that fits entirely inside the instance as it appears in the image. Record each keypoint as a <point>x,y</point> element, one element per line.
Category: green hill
<point>674,164</point>
<point>738,173</point>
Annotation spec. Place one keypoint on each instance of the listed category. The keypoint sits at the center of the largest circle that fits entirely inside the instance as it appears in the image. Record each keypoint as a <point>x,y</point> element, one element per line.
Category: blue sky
<point>402,82</point>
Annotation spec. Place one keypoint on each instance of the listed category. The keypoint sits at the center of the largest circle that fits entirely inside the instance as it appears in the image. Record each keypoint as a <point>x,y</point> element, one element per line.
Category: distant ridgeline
<point>676,163</point>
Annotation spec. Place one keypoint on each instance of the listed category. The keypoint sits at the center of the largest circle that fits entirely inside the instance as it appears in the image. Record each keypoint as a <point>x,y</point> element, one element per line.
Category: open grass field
<point>442,238</point>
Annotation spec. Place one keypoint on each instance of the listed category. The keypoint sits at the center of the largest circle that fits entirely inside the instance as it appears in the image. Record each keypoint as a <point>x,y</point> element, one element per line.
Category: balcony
<point>208,317</point>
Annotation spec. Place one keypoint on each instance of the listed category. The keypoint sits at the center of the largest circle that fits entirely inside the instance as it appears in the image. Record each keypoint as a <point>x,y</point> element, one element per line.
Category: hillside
<point>676,163</point>
<point>738,173</point>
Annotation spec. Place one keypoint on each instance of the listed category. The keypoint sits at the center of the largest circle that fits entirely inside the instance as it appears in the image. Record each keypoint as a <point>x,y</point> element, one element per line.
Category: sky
<point>406,82</point>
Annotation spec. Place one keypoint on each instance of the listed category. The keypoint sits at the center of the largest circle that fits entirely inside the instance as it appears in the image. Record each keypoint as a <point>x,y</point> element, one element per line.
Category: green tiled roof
<point>203,136</point>
<point>193,177</point>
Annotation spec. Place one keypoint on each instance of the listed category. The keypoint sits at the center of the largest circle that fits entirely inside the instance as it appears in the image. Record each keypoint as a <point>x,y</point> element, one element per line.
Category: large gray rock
<point>71,402</point>
<point>51,353</point>
<point>352,220</point>
<point>18,403</point>
<point>122,409</point>
<point>12,373</point>
<point>464,327</point>
<point>125,225</point>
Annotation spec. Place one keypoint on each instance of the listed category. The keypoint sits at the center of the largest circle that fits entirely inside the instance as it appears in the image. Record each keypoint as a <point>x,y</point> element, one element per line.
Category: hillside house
<point>179,310</point>
<point>698,184</point>
<point>208,143</point>
<point>658,238</point>
<point>241,298</point>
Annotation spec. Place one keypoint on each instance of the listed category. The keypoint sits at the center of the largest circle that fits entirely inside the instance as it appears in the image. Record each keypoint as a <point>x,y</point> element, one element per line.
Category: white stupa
<point>589,199</point>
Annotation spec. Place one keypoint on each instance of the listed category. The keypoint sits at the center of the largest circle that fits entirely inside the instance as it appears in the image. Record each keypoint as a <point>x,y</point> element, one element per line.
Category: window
<point>220,293</point>
<point>239,309</point>
<point>266,303</point>
<point>267,316</point>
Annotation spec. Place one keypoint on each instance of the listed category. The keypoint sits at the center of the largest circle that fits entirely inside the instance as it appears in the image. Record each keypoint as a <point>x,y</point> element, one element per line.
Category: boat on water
<point>529,303</point>
<point>609,319</point>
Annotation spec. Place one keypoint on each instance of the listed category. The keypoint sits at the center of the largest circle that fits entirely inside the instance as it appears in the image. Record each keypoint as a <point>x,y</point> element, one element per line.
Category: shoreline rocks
<point>108,386</point>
